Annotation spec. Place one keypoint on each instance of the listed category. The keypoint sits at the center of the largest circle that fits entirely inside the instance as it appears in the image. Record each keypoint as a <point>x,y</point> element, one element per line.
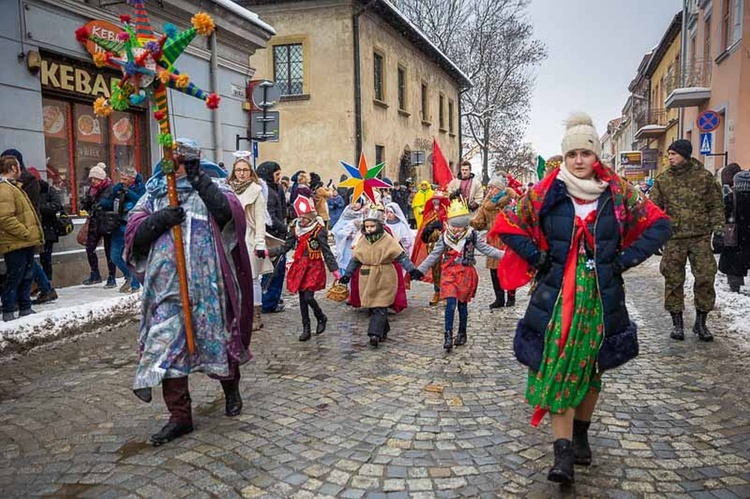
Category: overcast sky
<point>594,48</point>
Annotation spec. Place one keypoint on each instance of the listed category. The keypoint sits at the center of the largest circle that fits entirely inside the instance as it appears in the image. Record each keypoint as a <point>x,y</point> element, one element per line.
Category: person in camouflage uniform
<point>691,197</point>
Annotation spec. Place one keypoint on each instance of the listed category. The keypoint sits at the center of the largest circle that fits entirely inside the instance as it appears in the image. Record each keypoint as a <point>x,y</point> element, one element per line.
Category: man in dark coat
<point>735,259</point>
<point>273,284</point>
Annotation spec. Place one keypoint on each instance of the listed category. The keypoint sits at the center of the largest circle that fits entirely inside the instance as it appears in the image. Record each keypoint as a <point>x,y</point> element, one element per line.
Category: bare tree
<point>492,41</point>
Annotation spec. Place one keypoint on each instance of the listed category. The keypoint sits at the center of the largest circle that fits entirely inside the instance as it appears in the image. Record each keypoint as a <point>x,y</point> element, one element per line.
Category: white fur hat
<point>581,134</point>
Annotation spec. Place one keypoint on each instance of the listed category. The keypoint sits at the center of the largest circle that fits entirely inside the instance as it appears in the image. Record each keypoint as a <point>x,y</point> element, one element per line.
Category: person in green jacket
<point>691,197</point>
<point>20,233</point>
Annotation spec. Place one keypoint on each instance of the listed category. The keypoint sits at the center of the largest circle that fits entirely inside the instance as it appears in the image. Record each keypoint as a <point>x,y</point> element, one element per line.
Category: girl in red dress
<point>458,277</point>
<point>312,255</point>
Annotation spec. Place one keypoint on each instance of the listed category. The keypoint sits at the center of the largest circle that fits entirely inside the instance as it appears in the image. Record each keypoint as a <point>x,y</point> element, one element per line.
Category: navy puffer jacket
<point>557,217</point>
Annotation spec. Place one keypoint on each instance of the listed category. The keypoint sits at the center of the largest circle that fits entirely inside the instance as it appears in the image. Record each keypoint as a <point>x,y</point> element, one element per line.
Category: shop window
<point>288,68</point>
<point>76,140</point>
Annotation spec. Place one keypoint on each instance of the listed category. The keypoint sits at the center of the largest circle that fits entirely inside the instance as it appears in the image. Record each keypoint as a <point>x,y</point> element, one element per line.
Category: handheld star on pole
<point>364,179</point>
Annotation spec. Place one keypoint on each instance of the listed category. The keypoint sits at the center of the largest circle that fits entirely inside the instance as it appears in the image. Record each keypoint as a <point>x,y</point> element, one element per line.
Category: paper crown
<point>376,213</point>
<point>303,205</point>
<point>457,209</point>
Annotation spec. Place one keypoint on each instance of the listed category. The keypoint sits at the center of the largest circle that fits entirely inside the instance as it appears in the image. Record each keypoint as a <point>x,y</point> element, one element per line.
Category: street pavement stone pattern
<point>333,417</point>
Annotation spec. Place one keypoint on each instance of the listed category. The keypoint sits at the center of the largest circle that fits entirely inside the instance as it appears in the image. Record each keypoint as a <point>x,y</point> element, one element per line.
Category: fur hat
<point>581,134</point>
<point>682,147</point>
<point>99,171</point>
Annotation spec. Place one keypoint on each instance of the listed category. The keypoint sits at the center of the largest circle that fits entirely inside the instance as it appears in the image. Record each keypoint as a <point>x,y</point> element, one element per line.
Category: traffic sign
<point>266,94</point>
<point>708,121</point>
<point>706,143</point>
<point>265,126</point>
<point>255,149</point>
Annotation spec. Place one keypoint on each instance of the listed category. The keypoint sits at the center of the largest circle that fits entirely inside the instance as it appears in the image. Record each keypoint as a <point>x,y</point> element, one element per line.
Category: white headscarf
<point>401,230</point>
<point>344,232</point>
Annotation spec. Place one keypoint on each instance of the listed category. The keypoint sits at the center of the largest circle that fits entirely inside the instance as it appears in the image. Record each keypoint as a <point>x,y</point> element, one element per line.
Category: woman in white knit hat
<point>99,202</point>
<point>579,229</point>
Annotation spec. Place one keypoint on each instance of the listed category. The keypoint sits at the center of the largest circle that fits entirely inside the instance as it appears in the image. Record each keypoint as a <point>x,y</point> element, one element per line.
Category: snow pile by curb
<point>79,309</point>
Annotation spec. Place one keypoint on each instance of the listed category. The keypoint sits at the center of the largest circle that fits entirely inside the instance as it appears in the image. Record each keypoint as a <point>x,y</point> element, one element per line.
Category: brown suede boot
<point>257,320</point>
<point>435,299</point>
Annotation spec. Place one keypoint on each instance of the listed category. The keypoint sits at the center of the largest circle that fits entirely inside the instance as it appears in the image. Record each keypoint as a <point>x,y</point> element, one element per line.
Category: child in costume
<point>433,223</point>
<point>345,231</point>
<point>399,226</point>
<point>458,277</point>
<point>312,255</point>
<point>375,255</point>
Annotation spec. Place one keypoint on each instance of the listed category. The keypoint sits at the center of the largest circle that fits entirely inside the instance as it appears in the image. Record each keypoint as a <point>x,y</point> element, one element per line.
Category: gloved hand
<point>336,275</point>
<point>455,194</point>
<point>261,253</point>
<point>344,279</point>
<point>416,275</point>
<point>155,225</point>
<point>192,167</point>
<point>544,264</point>
<point>717,242</point>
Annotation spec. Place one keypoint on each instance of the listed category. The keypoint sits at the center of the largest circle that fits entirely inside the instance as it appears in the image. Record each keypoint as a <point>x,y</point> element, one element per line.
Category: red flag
<point>441,173</point>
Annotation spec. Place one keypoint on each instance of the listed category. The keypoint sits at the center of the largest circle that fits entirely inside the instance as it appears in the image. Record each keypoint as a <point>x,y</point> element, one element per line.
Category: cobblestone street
<point>332,417</point>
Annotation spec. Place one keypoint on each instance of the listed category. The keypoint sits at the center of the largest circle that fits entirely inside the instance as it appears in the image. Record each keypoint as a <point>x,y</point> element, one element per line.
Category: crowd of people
<point>571,235</point>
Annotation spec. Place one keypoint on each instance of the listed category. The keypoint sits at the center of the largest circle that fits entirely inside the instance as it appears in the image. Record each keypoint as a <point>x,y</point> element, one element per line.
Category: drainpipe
<point>358,80</point>
<point>216,122</point>
<point>683,66</point>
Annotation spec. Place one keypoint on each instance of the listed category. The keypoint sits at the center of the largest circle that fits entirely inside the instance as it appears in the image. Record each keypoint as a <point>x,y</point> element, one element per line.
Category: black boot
<point>306,334</point>
<point>511,299</point>
<point>499,293</point>
<point>322,321</point>
<point>562,470</point>
<point>171,431</point>
<point>581,449</point>
<point>374,340</point>
<point>143,394</point>
<point>448,341</point>
<point>700,326</point>
<point>233,398</point>
<point>678,331</point>
<point>460,338</point>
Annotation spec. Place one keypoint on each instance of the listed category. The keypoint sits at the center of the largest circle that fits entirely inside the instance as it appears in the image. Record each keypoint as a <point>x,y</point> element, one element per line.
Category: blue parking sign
<point>706,143</point>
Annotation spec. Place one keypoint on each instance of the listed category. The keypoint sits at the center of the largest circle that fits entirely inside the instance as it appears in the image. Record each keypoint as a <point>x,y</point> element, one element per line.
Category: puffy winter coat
<point>557,218</point>
<point>276,202</point>
<point>736,260</point>
<point>19,223</point>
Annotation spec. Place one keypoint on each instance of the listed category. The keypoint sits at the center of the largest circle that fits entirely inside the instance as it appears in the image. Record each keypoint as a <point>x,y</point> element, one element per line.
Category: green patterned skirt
<point>564,378</point>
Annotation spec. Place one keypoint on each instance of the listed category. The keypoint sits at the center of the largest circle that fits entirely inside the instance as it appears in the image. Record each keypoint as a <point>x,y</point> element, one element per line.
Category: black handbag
<point>107,222</point>
<point>63,224</point>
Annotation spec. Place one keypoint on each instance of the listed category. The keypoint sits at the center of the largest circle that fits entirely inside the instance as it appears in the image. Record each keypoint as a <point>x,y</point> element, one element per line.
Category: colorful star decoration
<point>364,179</point>
<point>146,61</point>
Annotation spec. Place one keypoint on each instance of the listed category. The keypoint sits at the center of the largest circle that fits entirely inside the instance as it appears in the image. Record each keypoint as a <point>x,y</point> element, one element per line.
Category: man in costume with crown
<point>375,255</point>
<point>312,255</point>
<point>454,252</point>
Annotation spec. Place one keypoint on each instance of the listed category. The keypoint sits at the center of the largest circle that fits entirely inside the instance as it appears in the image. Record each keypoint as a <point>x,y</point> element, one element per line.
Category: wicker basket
<point>337,292</point>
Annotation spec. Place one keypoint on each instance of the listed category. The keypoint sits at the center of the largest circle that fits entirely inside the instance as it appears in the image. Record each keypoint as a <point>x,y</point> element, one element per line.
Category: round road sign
<point>708,121</point>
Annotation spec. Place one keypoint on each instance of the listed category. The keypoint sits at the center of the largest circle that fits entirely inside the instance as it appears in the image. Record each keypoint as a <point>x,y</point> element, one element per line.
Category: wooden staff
<point>168,154</point>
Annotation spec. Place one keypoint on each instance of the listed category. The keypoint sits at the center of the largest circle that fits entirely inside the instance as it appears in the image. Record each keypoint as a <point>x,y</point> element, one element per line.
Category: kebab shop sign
<point>77,77</point>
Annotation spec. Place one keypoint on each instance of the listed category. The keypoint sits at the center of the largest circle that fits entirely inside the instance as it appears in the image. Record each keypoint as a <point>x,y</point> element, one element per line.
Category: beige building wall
<point>399,130</point>
<point>317,129</point>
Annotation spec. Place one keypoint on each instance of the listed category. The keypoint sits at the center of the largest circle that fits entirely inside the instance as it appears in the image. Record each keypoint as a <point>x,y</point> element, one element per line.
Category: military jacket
<point>691,197</point>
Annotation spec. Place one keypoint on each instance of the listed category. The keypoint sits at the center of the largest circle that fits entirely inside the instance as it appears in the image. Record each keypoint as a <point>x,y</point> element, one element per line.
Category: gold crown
<point>457,209</point>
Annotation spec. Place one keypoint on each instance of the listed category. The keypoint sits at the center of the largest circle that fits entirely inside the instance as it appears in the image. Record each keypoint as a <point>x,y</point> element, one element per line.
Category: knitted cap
<point>581,134</point>
<point>682,147</point>
<point>98,171</point>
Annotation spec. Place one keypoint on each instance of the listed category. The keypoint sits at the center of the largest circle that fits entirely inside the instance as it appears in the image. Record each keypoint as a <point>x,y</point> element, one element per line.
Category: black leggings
<point>307,301</point>
<point>499,291</point>
<point>379,325</point>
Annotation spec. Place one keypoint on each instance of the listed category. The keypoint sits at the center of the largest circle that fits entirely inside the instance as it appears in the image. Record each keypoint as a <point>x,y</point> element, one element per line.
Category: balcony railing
<point>651,117</point>
<point>697,74</point>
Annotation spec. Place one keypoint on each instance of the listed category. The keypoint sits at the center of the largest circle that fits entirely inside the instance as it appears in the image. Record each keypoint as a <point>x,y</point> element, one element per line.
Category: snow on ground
<point>78,309</point>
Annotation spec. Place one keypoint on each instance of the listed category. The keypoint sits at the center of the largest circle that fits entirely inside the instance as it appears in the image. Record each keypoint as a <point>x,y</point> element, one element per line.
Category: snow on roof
<point>424,37</point>
<point>245,14</point>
